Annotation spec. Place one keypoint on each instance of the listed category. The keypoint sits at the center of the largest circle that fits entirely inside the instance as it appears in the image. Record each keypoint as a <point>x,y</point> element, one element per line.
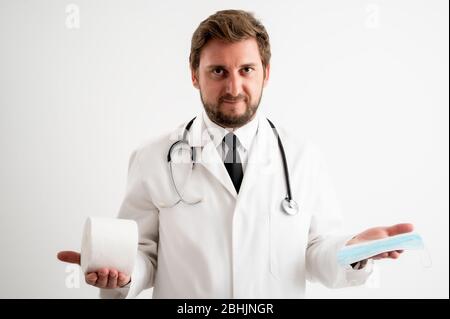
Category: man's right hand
<point>106,278</point>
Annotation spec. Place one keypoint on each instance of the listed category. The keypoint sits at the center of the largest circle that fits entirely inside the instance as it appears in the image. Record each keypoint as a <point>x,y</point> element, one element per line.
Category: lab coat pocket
<point>288,238</point>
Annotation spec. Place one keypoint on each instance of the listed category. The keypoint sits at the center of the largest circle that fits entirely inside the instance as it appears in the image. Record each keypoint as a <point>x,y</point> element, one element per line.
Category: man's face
<point>230,78</point>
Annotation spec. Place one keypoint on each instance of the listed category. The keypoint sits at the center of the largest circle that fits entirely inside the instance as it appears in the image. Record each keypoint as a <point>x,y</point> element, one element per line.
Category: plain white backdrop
<point>83,83</point>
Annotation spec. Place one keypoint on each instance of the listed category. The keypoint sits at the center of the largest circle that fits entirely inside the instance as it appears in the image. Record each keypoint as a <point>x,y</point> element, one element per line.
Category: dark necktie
<point>233,161</point>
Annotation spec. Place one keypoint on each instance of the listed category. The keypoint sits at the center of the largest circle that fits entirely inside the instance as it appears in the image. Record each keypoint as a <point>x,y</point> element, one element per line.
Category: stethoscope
<point>288,204</point>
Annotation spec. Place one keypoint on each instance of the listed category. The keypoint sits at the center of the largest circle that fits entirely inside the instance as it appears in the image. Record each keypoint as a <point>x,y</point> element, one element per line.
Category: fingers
<point>112,280</point>
<point>102,280</point>
<point>91,278</point>
<point>400,229</point>
<point>69,257</point>
<point>391,254</point>
<point>107,279</point>
<point>380,256</point>
<point>123,279</point>
<point>394,255</point>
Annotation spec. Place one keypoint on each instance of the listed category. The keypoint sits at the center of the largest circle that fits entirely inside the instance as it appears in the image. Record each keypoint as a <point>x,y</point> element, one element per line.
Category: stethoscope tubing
<point>289,205</point>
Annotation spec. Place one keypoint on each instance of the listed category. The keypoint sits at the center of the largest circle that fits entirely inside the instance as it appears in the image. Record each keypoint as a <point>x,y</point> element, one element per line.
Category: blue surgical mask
<point>354,253</point>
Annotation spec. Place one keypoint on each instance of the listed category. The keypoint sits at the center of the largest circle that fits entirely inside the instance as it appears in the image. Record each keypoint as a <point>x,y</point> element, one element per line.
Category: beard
<point>216,114</point>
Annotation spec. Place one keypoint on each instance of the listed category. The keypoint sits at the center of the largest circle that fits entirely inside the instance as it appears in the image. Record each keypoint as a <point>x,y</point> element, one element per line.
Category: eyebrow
<point>216,66</point>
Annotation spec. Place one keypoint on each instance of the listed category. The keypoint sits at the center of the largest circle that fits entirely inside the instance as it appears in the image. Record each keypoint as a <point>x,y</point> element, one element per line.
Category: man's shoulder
<point>159,145</point>
<point>294,140</point>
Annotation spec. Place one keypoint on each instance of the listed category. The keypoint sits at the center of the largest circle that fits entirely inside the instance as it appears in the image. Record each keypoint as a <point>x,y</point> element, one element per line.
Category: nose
<point>234,85</point>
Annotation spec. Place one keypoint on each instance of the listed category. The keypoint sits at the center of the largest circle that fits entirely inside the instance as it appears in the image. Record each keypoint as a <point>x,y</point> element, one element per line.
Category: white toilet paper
<point>109,243</point>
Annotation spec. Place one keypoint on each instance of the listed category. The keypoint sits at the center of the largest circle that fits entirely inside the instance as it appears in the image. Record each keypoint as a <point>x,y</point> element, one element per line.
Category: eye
<point>218,71</point>
<point>247,70</point>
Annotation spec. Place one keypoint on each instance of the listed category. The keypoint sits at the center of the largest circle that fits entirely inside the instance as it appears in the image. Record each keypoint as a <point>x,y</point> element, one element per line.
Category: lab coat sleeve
<point>324,238</point>
<point>137,205</point>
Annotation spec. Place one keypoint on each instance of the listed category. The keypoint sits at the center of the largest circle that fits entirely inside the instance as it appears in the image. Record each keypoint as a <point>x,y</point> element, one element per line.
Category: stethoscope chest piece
<point>290,206</point>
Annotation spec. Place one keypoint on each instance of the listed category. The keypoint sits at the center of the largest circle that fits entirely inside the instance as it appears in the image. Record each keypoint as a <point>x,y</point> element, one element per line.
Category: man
<point>236,242</point>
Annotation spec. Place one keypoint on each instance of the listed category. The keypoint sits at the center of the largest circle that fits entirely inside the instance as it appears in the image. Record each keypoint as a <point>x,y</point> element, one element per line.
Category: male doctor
<point>237,242</point>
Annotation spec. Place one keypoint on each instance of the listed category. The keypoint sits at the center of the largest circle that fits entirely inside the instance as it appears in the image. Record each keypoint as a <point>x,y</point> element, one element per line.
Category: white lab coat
<point>231,246</point>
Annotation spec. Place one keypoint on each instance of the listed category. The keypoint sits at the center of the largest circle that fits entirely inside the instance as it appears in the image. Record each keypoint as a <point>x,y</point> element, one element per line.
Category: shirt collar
<point>245,133</point>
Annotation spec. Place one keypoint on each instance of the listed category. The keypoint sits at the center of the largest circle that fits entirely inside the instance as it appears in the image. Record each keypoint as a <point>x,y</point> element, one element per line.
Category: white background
<point>366,80</point>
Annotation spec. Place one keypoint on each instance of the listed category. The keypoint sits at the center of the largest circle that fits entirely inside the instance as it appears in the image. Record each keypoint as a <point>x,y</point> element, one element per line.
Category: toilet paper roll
<point>109,243</point>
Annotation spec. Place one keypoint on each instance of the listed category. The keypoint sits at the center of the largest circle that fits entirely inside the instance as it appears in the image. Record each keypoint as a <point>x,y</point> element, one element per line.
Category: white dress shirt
<point>245,136</point>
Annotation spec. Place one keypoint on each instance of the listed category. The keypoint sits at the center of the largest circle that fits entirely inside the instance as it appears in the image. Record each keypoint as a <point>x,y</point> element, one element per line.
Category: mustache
<point>231,98</point>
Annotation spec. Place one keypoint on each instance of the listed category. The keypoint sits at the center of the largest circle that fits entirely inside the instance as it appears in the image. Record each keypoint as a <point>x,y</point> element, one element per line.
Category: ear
<point>194,78</point>
<point>266,77</point>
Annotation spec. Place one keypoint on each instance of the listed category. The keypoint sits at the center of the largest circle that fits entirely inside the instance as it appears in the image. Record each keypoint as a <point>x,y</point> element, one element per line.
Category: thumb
<point>72,257</point>
<point>399,229</point>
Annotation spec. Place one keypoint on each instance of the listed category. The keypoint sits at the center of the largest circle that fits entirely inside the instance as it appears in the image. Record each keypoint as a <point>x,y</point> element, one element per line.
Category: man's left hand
<point>380,233</point>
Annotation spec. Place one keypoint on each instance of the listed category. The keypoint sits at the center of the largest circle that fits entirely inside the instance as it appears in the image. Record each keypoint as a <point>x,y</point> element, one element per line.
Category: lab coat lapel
<point>261,157</point>
<point>207,155</point>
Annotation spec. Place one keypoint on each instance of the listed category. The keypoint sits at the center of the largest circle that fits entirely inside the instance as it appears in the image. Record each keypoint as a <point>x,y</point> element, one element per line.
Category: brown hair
<point>230,26</point>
